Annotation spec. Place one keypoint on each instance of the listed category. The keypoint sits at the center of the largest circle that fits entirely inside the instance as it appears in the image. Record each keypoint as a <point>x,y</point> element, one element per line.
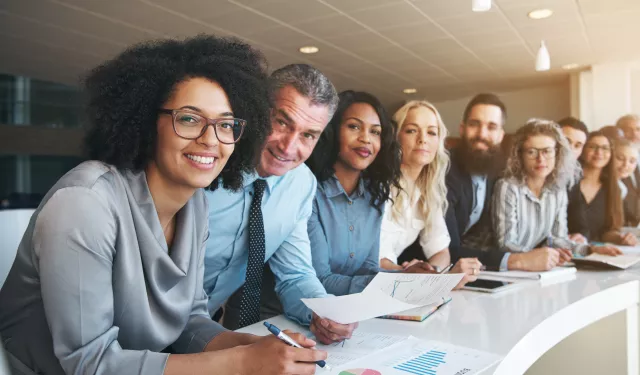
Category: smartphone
<point>488,286</point>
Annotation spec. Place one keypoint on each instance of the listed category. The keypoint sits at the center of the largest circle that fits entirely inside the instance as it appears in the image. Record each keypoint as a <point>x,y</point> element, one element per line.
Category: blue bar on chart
<point>425,364</point>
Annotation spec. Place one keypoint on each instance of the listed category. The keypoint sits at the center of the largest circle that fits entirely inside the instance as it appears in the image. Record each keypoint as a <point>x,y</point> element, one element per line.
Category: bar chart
<point>425,364</point>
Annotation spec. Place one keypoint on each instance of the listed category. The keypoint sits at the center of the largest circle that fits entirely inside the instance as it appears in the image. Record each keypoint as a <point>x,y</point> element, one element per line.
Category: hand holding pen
<point>318,358</point>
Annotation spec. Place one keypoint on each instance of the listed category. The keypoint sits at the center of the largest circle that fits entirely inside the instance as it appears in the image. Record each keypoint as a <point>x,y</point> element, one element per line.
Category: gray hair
<point>308,81</point>
<point>626,120</point>
<point>565,170</point>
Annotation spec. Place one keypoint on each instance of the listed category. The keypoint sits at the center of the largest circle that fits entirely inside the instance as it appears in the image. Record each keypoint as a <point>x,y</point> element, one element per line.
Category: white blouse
<point>395,236</point>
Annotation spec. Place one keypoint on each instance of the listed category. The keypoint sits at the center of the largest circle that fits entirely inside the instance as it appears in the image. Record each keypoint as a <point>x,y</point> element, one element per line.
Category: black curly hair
<point>125,93</point>
<point>383,173</point>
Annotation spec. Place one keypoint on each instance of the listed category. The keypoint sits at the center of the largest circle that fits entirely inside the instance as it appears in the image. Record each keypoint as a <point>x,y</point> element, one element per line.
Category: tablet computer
<point>488,286</point>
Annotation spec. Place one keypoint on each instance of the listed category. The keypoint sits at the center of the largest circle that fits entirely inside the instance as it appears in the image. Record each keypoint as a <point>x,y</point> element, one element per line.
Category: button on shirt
<point>345,237</point>
<point>286,207</point>
<point>479,183</point>
<point>399,233</point>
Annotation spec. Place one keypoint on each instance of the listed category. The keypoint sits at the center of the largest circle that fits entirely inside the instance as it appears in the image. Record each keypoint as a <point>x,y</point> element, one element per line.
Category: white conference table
<point>520,324</point>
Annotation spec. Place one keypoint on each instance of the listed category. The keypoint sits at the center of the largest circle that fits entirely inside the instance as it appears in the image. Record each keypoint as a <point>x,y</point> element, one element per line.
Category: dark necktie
<point>250,300</point>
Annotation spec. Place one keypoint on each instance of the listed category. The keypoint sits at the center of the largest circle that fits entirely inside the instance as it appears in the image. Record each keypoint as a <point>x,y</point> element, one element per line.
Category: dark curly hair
<point>125,93</point>
<point>383,173</point>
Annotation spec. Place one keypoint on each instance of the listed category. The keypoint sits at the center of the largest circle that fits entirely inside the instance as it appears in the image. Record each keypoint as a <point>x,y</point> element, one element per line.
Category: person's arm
<point>74,241</point>
<point>616,237</point>
<point>295,279</point>
<point>435,240</point>
<point>505,217</point>
<point>388,234</point>
<point>387,264</point>
<point>441,259</point>
<point>491,259</point>
<point>333,283</point>
<point>560,233</point>
<point>293,269</point>
<point>201,333</point>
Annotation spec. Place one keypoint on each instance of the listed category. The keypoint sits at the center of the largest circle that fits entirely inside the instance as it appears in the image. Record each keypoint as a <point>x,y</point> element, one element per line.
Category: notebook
<point>526,275</point>
<point>621,262</point>
<point>418,314</point>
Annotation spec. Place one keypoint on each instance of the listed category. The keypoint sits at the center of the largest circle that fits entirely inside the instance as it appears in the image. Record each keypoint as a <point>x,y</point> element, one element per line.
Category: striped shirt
<point>522,222</point>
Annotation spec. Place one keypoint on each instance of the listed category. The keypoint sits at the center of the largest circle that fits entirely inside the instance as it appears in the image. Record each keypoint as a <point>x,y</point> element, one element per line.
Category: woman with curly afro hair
<point>108,278</point>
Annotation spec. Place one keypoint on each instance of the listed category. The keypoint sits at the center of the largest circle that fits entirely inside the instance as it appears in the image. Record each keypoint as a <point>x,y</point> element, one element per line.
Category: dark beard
<point>489,161</point>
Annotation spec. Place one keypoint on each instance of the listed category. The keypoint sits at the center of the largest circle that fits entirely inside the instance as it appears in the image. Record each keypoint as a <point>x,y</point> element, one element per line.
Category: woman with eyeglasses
<point>529,205</point>
<point>108,278</point>
<point>595,204</point>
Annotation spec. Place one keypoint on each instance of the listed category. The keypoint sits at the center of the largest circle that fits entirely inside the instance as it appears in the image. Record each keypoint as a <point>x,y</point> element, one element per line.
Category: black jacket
<point>460,197</point>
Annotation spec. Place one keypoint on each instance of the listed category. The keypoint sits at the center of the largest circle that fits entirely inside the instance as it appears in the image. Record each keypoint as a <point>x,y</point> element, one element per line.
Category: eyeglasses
<point>547,153</point>
<point>595,148</point>
<point>189,125</point>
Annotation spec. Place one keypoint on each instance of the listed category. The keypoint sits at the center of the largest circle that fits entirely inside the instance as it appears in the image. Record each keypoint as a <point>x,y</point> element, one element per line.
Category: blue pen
<point>288,340</point>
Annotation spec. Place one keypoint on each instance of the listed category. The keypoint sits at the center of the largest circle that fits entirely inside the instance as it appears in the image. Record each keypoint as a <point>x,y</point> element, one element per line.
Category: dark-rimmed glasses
<point>189,125</point>
<point>532,153</point>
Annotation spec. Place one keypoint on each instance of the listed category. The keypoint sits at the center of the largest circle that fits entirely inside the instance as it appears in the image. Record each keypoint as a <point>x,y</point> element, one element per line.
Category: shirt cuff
<point>581,249</point>
<point>504,263</point>
<point>197,334</point>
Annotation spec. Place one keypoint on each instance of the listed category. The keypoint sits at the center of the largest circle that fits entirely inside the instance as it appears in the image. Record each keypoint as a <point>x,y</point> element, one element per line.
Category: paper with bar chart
<point>420,357</point>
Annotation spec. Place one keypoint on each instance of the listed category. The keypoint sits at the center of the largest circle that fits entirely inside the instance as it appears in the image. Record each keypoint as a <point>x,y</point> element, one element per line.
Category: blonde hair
<point>563,173</point>
<point>431,180</point>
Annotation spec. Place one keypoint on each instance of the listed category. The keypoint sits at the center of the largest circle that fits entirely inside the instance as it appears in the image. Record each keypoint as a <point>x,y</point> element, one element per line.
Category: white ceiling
<point>439,47</point>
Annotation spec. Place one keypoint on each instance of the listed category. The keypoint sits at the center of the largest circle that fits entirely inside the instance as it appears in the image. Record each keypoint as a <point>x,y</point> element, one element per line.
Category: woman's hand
<point>606,250</point>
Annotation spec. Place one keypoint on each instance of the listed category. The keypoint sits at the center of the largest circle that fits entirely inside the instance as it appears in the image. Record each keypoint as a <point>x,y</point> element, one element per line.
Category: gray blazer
<point>94,289</point>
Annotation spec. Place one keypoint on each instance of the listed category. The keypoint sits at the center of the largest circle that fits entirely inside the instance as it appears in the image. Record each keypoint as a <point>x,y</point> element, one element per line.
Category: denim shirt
<point>286,207</point>
<point>345,237</point>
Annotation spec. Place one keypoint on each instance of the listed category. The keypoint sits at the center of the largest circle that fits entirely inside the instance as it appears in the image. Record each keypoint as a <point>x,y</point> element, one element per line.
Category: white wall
<point>549,102</point>
<point>609,91</point>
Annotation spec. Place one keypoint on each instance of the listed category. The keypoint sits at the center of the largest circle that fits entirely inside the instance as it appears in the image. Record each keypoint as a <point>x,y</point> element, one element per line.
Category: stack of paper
<point>388,293</point>
<point>526,275</point>
<point>621,262</point>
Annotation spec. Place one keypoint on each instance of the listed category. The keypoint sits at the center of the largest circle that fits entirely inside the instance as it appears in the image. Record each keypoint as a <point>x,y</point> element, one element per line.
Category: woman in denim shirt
<point>356,162</point>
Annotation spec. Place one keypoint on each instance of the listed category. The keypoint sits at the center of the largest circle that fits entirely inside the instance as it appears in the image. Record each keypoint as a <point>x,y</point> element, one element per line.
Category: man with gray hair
<point>630,126</point>
<point>266,221</point>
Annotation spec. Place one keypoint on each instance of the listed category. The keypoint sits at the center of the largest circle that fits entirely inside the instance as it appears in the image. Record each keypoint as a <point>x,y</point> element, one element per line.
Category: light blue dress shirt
<point>286,207</point>
<point>345,237</point>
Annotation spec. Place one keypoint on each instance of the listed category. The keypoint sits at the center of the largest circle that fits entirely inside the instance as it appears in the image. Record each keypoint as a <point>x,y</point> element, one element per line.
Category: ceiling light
<point>539,14</point>
<point>570,66</point>
<point>543,60</point>
<point>309,49</point>
<point>480,5</point>
<point>409,91</point>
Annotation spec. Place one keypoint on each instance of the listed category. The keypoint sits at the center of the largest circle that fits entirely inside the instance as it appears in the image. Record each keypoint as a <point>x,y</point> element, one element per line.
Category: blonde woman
<point>417,209</point>
<point>530,203</point>
<point>626,163</point>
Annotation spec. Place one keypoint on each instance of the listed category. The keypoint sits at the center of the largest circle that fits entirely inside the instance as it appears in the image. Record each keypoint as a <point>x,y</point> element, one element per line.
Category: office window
<point>27,178</point>
<point>27,101</point>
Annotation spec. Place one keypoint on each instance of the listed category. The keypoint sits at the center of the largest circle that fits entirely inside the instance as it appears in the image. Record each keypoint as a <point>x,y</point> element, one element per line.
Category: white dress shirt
<point>395,236</point>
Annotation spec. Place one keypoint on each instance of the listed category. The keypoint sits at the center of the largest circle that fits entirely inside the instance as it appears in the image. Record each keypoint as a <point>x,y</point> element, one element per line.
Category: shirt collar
<point>529,193</point>
<point>250,178</point>
<point>333,188</point>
